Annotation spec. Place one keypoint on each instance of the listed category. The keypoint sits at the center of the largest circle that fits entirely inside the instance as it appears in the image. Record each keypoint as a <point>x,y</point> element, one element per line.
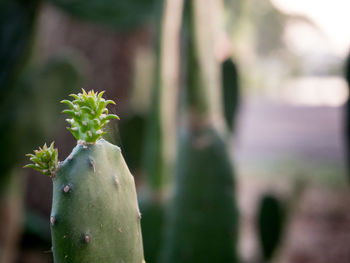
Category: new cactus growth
<point>94,216</point>
<point>45,160</point>
<point>89,115</point>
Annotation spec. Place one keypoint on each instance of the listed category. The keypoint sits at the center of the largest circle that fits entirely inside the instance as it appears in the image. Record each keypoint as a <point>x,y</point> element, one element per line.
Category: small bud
<point>52,220</point>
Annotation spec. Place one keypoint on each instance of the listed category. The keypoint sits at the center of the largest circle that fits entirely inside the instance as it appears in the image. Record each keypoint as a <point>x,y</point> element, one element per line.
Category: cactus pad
<point>95,215</point>
<point>202,219</point>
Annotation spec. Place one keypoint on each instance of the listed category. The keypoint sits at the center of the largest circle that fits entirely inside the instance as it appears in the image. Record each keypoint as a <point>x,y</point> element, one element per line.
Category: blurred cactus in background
<point>273,217</point>
<point>159,148</point>
<point>231,92</point>
<point>270,221</point>
<point>132,136</point>
<point>203,218</point>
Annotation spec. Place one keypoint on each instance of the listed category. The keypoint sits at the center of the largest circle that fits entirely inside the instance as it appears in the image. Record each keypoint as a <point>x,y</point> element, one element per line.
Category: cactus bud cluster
<point>45,160</point>
<point>89,115</point>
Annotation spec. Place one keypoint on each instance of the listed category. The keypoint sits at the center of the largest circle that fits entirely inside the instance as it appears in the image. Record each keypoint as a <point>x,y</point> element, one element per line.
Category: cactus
<point>270,222</point>
<point>273,218</point>
<point>230,94</point>
<point>94,216</point>
<point>202,219</point>
<point>203,216</point>
<point>159,148</point>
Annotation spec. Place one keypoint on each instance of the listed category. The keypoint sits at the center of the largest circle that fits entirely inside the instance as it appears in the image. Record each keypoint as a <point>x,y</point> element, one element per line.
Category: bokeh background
<point>289,139</point>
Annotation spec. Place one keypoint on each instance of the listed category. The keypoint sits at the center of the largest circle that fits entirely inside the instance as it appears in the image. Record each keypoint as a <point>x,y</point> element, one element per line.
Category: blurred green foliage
<point>114,13</point>
<point>17,21</point>
<point>132,135</point>
<point>36,231</point>
<point>152,225</point>
<point>30,113</point>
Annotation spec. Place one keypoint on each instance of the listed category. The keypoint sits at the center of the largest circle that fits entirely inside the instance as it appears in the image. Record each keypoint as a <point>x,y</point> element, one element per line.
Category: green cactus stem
<point>95,215</point>
<point>45,160</point>
<point>89,115</point>
<point>202,218</point>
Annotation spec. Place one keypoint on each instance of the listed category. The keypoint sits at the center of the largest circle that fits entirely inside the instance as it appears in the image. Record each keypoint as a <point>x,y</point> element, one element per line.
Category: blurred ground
<point>290,140</point>
<point>277,143</point>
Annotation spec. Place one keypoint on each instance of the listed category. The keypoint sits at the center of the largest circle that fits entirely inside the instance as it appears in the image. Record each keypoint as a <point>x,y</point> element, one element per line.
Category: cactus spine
<point>94,216</point>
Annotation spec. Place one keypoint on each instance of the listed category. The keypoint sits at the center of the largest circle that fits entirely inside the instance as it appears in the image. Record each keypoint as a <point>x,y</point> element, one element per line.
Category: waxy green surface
<point>203,216</point>
<point>95,215</point>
